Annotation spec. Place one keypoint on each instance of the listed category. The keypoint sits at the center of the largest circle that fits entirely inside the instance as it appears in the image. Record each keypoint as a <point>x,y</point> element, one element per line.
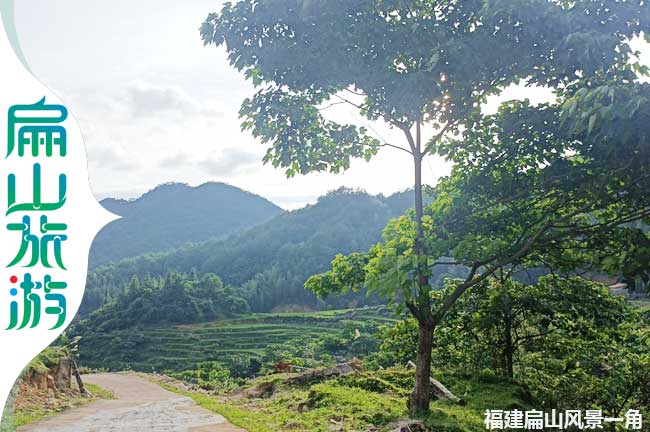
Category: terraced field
<point>183,346</point>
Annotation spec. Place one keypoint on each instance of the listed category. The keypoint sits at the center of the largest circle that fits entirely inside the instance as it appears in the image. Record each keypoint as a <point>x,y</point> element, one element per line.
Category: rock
<point>50,383</point>
<point>34,379</point>
<point>261,391</point>
<point>293,425</point>
<point>325,373</point>
<point>442,393</point>
<point>408,426</point>
<point>335,426</point>
<point>438,390</point>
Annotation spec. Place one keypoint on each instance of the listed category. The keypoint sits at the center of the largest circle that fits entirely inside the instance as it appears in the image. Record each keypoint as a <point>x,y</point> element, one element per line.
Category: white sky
<point>156,106</point>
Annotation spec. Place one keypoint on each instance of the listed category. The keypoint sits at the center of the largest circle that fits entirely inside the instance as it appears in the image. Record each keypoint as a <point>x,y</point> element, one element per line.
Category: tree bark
<point>419,401</point>
<point>419,205</point>
<point>420,308</point>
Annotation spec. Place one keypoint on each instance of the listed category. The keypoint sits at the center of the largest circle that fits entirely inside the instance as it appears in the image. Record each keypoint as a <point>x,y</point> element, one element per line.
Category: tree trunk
<point>419,238</point>
<point>509,350</point>
<point>419,401</point>
<point>77,376</point>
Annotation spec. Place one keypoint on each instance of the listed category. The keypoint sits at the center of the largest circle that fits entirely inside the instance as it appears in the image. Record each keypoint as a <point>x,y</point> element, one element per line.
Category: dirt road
<point>139,406</point>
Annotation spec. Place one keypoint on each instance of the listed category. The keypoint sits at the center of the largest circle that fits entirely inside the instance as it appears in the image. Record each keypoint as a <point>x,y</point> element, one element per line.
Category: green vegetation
<point>567,340</point>
<point>485,273</point>
<point>361,400</point>
<point>305,339</point>
<point>35,413</point>
<point>525,181</point>
<point>98,392</point>
<point>175,214</point>
<point>268,263</point>
<point>571,345</point>
<point>175,299</point>
<point>47,359</point>
<point>642,306</point>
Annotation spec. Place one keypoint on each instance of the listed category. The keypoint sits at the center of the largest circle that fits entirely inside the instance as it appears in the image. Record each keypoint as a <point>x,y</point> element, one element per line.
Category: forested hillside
<point>174,214</point>
<point>270,262</point>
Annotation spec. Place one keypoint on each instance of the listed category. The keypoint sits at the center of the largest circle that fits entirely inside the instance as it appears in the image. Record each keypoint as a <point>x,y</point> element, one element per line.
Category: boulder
<point>261,391</point>
<point>408,426</point>
<point>323,374</point>
<point>51,384</point>
<point>438,390</point>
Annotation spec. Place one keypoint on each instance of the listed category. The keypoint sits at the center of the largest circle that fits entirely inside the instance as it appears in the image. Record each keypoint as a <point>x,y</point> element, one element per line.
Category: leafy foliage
<point>496,321</point>
<point>413,63</point>
<point>175,299</point>
<point>527,188</point>
<point>302,54</point>
<point>567,340</point>
<point>209,376</point>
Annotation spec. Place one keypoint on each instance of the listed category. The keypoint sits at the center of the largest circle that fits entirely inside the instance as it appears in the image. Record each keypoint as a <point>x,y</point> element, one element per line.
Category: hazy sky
<point>156,106</point>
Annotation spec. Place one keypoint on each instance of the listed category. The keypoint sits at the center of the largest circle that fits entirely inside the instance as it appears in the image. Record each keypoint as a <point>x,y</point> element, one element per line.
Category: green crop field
<point>181,347</point>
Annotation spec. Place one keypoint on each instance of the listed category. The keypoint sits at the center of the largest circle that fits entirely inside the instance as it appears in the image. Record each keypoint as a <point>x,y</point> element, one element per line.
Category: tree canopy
<point>419,60</point>
<point>430,63</point>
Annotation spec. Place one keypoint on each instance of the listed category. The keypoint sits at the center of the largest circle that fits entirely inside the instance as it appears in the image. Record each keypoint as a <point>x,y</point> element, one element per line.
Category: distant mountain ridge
<point>174,214</point>
<point>269,263</point>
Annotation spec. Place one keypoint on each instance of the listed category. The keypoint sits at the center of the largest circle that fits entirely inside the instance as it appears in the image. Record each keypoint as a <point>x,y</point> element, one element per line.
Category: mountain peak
<point>172,214</point>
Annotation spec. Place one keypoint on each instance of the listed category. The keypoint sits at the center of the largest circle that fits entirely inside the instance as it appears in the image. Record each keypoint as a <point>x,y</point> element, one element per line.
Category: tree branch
<point>409,138</point>
<point>437,137</point>
<point>385,144</point>
<point>472,279</point>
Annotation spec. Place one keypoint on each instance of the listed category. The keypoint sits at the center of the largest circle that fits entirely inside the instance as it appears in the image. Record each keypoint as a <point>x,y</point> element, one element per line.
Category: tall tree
<point>410,63</point>
<point>531,186</point>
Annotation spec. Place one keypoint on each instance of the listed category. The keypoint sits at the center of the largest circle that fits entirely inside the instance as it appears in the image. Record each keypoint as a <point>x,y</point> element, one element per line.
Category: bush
<point>209,376</point>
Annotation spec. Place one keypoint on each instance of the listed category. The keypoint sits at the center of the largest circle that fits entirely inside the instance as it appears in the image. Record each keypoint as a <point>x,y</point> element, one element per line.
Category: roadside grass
<point>249,420</point>
<point>98,392</point>
<point>30,415</point>
<point>361,400</point>
<point>481,392</point>
<point>333,406</point>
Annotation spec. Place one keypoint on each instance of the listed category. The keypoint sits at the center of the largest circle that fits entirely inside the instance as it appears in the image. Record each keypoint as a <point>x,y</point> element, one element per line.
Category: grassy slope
<point>357,401</point>
<point>181,347</point>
